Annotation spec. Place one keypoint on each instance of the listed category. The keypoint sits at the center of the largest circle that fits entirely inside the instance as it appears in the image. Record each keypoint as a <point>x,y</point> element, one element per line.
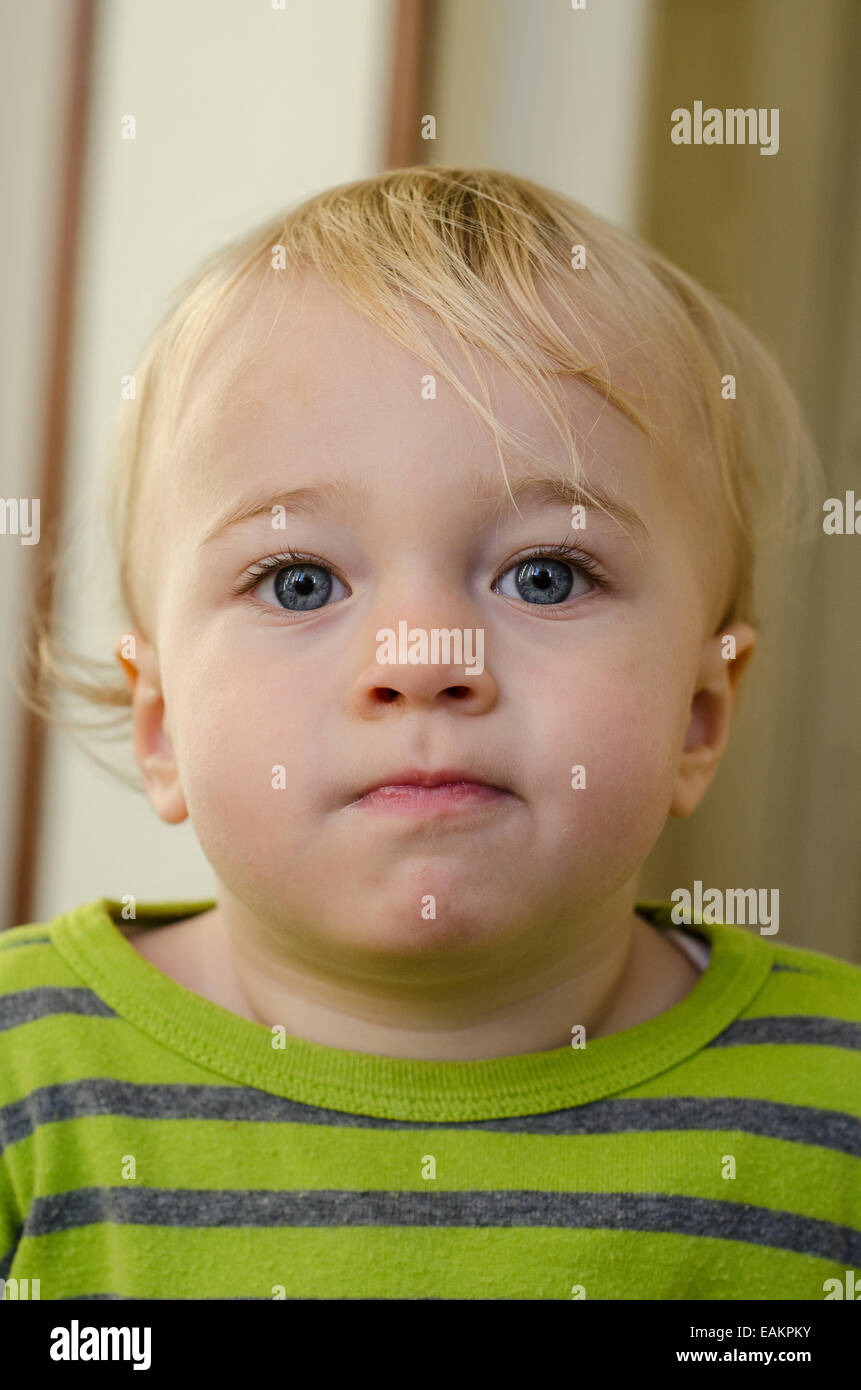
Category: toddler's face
<point>402,511</point>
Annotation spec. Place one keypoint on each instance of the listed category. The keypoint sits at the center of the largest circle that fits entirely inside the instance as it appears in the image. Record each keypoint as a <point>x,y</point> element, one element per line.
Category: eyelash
<point>579,559</point>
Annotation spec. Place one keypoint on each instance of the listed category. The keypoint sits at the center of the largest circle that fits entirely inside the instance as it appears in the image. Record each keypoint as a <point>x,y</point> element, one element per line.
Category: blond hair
<point>486,254</point>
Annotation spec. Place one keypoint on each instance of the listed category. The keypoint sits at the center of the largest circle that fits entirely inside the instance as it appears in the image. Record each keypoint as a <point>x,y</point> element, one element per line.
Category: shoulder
<point>799,1036</point>
<point>37,979</point>
<point>831,985</point>
<point>808,996</point>
<point>39,993</point>
<point>41,984</point>
<point>28,956</point>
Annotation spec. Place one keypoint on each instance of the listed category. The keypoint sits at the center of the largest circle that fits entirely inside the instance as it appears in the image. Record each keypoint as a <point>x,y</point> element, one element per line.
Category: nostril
<point>457,692</point>
<point>385,695</point>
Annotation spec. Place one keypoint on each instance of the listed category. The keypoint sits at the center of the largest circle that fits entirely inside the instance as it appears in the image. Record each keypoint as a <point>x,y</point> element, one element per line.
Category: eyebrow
<point>301,501</point>
<point>550,491</point>
<point>334,492</point>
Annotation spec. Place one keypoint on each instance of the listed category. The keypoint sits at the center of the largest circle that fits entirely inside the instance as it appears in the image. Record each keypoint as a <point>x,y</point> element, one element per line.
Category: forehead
<point>303,380</point>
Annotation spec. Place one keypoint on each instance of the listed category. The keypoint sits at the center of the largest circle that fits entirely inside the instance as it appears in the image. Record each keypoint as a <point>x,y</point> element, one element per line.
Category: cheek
<point>620,722</point>
<point>245,747</point>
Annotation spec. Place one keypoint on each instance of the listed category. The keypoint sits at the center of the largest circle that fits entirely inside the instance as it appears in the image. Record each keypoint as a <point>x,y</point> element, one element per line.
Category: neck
<point>603,980</point>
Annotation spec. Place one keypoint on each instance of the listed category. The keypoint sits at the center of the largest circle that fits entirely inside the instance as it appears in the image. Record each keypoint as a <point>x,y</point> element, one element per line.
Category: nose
<point>424,667</point>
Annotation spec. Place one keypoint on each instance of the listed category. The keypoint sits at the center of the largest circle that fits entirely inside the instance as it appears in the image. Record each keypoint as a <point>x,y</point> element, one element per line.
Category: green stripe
<point>770,1173</point>
<point>382,1262</point>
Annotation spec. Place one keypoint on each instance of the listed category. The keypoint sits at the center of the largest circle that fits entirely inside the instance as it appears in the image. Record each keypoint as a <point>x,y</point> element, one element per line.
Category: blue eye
<point>303,586</point>
<point>546,578</point>
<point>300,587</point>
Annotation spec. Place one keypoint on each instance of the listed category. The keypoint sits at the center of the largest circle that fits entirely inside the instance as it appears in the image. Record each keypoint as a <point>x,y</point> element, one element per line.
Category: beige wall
<point>545,91</point>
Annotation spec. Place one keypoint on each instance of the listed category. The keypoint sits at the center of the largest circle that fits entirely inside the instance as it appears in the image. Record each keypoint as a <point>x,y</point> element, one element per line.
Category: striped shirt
<point>155,1145</point>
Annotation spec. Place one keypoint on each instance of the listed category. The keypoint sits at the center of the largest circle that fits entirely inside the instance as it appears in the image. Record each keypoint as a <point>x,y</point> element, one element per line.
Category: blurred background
<point>243,107</point>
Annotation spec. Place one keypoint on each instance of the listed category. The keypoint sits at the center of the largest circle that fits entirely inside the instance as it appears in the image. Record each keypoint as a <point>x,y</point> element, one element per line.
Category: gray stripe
<point>800,1124</point>
<point>31,941</point>
<point>615,1211</point>
<point>799,1029</point>
<point>26,1005</point>
<point>795,969</point>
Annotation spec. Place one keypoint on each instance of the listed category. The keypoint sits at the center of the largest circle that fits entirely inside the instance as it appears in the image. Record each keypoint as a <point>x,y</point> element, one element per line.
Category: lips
<point>418,777</point>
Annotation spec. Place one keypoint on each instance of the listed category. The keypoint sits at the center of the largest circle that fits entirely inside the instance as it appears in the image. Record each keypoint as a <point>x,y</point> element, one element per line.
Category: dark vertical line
<point>414,23</point>
<point>54,444</point>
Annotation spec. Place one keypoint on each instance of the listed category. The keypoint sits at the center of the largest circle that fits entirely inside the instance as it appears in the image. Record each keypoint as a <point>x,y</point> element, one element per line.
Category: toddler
<point>437,509</point>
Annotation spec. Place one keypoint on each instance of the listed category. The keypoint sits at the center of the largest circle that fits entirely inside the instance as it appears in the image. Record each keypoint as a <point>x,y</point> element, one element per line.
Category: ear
<point>724,657</point>
<point>151,735</point>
